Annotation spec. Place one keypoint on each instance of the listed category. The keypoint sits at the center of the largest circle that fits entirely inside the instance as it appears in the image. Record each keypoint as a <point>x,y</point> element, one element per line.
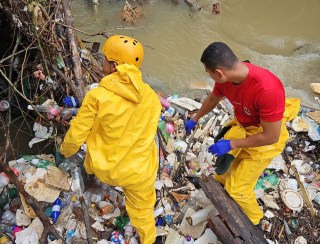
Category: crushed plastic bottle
<point>66,213</point>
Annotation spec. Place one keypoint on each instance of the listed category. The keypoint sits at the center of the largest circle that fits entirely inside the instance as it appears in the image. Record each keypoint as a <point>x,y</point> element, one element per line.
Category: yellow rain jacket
<point>118,121</point>
<point>249,163</point>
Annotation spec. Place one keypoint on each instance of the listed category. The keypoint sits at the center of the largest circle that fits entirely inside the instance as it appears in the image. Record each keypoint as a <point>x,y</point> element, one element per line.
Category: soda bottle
<point>70,101</point>
<point>56,210</point>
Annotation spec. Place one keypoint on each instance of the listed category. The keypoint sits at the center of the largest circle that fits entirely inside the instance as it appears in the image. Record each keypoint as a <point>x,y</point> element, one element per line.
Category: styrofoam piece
<point>207,237</point>
<point>269,214</point>
<point>158,212</point>
<point>299,124</point>
<point>288,184</point>
<point>181,146</point>
<point>22,219</point>
<point>304,169</point>
<point>277,163</point>
<point>269,202</point>
<point>194,231</point>
<point>174,237</point>
<point>292,199</point>
<point>300,240</point>
<point>202,215</point>
<point>186,103</point>
<point>27,236</point>
<point>259,192</point>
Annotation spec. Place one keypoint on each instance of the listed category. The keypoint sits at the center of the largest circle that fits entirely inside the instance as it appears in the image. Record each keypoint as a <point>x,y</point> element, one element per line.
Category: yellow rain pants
<point>118,121</point>
<point>249,163</point>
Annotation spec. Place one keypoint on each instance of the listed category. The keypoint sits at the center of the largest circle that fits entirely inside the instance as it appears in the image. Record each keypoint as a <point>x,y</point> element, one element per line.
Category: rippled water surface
<point>282,36</point>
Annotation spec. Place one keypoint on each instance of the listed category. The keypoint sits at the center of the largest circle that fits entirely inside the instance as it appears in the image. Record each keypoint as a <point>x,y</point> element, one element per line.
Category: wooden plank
<point>221,230</point>
<point>231,213</point>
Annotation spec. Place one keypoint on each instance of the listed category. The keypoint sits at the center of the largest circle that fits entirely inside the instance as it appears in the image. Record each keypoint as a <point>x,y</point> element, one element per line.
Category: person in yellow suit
<point>118,122</point>
<point>257,134</point>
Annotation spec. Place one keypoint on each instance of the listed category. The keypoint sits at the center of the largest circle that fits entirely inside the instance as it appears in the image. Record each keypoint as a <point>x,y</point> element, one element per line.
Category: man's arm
<point>80,126</point>
<point>209,103</point>
<point>270,135</point>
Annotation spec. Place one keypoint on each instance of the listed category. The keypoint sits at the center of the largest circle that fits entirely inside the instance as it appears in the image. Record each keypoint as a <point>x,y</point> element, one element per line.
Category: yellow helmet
<point>123,49</point>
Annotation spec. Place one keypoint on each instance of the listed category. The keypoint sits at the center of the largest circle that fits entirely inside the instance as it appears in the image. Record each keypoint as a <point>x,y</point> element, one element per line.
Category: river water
<point>282,36</point>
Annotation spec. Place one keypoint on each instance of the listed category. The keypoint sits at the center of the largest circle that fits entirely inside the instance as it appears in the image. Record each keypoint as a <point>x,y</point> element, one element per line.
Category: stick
<point>86,219</point>
<point>74,50</point>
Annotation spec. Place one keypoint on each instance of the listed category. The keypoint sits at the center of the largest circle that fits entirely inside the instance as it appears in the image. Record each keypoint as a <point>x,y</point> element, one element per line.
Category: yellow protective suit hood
<point>118,121</point>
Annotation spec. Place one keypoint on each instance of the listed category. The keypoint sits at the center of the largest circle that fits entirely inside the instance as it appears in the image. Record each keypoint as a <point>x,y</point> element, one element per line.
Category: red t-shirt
<point>260,97</point>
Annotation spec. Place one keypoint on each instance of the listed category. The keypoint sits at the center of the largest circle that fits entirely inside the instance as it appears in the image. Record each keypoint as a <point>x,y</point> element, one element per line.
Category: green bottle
<point>13,192</point>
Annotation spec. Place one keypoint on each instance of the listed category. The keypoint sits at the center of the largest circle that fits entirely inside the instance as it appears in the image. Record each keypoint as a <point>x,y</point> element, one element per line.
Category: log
<point>230,213</point>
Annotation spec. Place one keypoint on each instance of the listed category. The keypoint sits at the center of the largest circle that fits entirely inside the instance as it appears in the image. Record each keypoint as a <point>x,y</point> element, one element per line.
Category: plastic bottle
<point>4,180</point>
<point>66,213</point>
<point>121,222</point>
<point>77,181</point>
<point>41,163</point>
<point>128,233</point>
<point>56,210</point>
<point>67,113</point>
<point>188,240</point>
<point>8,218</point>
<point>72,162</point>
<point>51,110</point>
<point>70,101</point>
<point>4,105</point>
<point>13,192</point>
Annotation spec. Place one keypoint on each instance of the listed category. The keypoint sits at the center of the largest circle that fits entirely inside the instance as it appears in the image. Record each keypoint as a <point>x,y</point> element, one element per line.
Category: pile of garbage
<point>288,191</point>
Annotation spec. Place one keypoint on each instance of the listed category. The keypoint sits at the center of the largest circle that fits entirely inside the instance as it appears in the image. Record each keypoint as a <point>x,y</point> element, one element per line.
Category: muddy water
<point>282,36</point>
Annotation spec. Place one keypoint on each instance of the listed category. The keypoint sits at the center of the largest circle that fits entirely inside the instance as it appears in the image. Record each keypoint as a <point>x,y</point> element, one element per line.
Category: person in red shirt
<point>258,132</point>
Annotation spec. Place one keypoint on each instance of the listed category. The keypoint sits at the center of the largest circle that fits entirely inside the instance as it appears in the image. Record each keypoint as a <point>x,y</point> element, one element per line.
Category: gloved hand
<point>190,125</point>
<point>220,148</point>
<point>59,157</point>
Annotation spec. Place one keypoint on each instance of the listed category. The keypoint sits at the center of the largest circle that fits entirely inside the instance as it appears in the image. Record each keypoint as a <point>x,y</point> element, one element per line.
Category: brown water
<point>265,32</point>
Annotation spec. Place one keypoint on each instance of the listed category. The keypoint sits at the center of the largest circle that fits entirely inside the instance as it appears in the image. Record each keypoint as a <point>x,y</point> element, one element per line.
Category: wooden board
<point>230,214</point>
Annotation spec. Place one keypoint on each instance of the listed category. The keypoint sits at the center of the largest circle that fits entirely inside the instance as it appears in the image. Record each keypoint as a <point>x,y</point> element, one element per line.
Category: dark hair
<point>218,54</point>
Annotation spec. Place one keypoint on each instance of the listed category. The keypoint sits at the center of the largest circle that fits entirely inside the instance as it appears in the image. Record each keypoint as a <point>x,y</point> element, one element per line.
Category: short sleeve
<point>271,105</point>
<point>217,91</point>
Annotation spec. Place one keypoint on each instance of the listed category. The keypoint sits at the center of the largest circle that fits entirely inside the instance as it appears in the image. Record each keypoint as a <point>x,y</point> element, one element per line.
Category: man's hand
<point>190,125</point>
<point>220,148</point>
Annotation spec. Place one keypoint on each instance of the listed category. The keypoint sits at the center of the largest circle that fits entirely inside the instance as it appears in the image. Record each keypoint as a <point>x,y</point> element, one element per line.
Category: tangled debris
<point>50,70</point>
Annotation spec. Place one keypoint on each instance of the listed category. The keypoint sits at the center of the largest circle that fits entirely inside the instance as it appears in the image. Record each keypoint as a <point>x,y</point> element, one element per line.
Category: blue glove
<point>190,125</point>
<point>220,147</point>
<point>59,157</point>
